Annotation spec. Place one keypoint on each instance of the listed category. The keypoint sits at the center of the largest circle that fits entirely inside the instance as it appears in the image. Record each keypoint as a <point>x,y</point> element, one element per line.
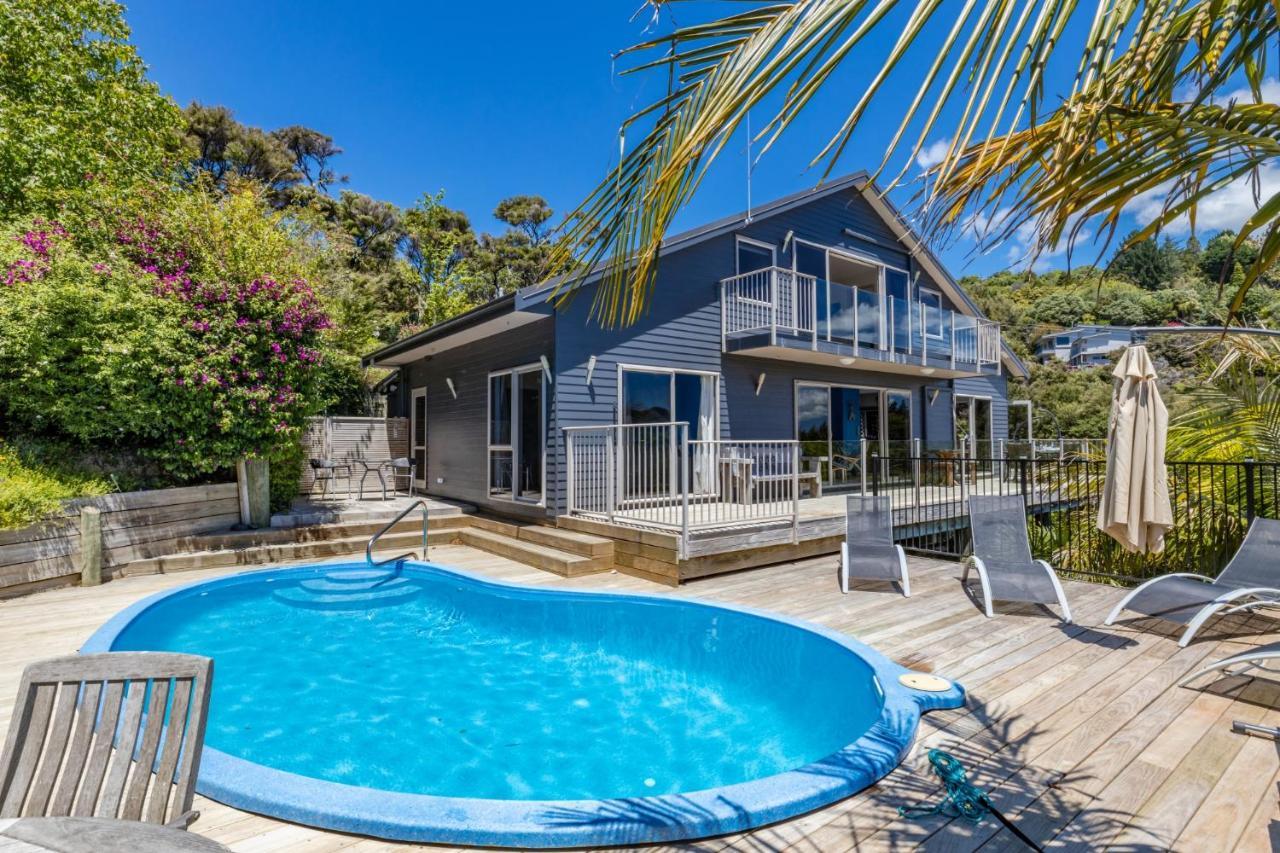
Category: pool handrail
<point>368,548</point>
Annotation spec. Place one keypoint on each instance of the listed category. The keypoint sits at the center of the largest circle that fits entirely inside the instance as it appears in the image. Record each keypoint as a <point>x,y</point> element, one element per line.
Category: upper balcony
<point>778,313</point>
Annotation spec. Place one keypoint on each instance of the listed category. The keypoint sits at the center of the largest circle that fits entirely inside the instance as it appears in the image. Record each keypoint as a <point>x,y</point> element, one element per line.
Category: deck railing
<point>652,476</point>
<point>1213,504</point>
<point>775,302</point>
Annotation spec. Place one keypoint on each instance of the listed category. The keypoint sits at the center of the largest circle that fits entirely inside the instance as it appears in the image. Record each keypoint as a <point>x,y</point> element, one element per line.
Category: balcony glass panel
<point>900,324</point>
<point>868,319</point>
<point>841,313</point>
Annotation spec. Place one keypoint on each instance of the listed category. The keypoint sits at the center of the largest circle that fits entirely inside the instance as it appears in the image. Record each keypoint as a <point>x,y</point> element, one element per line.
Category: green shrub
<point>286,474</point>
<point>177,323</point>
<point>33,489</point>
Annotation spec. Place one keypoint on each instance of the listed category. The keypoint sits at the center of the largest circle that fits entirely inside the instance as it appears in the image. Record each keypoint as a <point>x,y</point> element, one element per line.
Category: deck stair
<point>563,552</point>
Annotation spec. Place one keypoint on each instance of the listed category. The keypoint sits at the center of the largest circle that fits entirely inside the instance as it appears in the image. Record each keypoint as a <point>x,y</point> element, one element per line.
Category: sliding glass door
<point>517,434</point>
<point>653,398</point>
<point>860,298</point>
<point>973,426</point>
<point>834,421</point>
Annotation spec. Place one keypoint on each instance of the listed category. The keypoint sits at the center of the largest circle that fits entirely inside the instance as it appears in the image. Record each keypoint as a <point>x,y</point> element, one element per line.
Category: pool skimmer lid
<point>924,681</point>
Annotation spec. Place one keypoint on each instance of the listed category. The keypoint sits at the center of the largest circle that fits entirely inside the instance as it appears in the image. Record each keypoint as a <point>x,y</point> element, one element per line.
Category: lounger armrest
<point>1124,602</point>
<point>1228,597</point>
<point>184,820</point>
<point>981,569</point>
<point>844,566</point>
<point>902,567</point>
<point>1058,590</point>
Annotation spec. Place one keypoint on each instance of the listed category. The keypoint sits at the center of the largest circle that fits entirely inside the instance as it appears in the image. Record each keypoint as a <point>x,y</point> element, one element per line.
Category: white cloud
<point>1226,208</point>
<point>1020,247</point>
<point>1270,93</point>
<point>1022,253</point>
<point>933,154</point>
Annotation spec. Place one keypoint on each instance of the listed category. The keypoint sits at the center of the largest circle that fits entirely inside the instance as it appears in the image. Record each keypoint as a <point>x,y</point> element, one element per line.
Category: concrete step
<point>530,553</point>
<point>307,513</point>
<point>349,599</point>
<point>321,532</point>
<point>564,552</point>
<point>265,554</point>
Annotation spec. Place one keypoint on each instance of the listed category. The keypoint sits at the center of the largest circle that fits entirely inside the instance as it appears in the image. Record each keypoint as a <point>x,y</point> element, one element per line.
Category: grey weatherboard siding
<point>680,330</point>
<point>457,430</point>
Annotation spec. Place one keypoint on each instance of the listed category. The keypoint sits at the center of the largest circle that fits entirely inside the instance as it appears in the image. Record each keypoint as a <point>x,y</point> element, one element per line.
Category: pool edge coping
<point>563,823</point>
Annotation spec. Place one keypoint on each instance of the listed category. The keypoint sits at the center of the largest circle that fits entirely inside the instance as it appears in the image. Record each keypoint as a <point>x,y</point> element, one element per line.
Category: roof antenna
<point>749,166</point>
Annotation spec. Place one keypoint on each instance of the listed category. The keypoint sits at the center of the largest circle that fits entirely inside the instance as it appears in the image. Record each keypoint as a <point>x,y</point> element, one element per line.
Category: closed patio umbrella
<point>1135,507</point>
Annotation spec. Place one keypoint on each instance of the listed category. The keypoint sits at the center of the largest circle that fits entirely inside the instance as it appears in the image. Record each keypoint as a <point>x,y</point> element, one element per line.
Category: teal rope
<point>962,799</point>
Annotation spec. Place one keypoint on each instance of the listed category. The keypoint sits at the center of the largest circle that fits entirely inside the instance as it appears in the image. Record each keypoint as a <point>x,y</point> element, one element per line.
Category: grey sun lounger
<point>1251,579</point>
<point>1253,659</point>
<point>115,735</point>
<point>868,551</point>
<point>1002,556</point>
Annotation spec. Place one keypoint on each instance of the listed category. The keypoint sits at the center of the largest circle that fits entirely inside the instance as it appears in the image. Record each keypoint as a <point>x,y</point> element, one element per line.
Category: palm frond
<point>1139,116</point>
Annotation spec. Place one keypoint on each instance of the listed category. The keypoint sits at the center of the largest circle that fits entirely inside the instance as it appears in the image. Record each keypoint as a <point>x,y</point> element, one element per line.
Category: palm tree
<point>1235,413</point>
<point>1149,112</point>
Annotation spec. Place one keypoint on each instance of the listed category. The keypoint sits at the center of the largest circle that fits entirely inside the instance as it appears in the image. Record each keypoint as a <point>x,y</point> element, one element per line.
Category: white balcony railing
<point>777,302</point>
<point>652,476</point>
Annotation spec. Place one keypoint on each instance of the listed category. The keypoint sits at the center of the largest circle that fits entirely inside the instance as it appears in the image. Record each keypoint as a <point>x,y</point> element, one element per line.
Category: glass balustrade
<point>813,310</point>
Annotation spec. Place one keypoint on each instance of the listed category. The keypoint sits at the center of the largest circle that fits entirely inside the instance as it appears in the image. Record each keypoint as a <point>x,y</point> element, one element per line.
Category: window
<point>754,255</point>
<point>517,429</point>
<point>834,422</point>
<point>931,312</point>
<point>659,395</point>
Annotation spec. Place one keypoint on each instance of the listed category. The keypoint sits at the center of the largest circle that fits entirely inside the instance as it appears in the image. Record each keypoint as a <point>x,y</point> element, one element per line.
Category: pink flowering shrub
<point>188,330</point>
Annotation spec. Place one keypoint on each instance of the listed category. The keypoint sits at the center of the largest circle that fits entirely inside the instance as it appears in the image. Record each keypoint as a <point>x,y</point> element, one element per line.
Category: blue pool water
<point>424,704</point>
<point>418,683</point>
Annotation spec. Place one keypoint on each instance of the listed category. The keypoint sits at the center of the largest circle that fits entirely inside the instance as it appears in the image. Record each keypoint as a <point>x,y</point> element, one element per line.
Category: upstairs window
<point>931,312</point>
<point>753,255</point>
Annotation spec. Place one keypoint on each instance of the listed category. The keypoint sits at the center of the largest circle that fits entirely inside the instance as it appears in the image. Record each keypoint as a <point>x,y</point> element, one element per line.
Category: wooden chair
<point>115,735</point>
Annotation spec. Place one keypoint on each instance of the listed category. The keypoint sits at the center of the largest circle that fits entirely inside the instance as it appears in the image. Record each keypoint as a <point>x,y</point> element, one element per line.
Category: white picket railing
<point>651,476</point>
<point>770,299</point>
<point>776,300</point>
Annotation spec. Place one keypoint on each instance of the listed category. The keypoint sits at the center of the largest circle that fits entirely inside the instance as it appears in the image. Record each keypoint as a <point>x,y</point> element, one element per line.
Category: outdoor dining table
<point>98,835</point>
<point>372,466</point>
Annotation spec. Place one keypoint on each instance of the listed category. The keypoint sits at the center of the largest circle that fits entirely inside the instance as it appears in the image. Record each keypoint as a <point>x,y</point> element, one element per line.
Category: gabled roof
<point>534,299</point>
<point>719,227</point>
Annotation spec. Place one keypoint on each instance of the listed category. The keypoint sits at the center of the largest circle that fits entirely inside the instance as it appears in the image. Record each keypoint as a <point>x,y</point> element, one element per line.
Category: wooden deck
<point>1079,734</point>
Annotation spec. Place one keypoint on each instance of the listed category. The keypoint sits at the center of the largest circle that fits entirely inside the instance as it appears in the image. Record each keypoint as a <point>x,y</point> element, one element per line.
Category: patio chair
<point>1002,556</point>
<point>868,550</point>
<point>325,471</point>
<point>1251,579</point>
<point>402,467</point>
<point>1253,659</point>
<point>124,728</point>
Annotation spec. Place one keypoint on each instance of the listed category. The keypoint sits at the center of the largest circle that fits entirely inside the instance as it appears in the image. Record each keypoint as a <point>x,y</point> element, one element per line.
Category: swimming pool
<point>425,704</point>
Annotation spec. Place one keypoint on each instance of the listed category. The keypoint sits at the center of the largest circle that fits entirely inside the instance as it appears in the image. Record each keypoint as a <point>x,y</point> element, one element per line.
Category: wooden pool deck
<point>1079,734</point>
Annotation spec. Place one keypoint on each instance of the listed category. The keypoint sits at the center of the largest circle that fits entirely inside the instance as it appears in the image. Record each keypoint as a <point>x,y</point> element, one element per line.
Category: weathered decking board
<point>1079,733</point>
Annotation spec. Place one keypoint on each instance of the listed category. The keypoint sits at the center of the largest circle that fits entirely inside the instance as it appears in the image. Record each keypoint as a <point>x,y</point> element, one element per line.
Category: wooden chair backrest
<point>114,735</point>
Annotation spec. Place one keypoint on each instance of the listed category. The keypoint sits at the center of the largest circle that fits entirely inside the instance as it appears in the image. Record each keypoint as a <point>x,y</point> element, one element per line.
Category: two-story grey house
<point>781,351</point>
<point>1084,345</point>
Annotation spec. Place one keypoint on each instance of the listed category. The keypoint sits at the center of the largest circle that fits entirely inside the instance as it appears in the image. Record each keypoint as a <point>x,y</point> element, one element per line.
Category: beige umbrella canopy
<point>1135,508</point>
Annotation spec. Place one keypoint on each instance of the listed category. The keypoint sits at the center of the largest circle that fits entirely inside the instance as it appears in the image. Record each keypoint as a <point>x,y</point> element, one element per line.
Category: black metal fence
<point>1213,503</point>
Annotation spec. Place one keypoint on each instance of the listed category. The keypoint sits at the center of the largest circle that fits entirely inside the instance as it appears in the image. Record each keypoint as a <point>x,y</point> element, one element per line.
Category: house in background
<point>781,351</point>
<point>1084,345</point>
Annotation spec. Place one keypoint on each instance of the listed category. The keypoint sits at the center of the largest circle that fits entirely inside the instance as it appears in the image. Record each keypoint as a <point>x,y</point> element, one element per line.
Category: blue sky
<point>482,99</point>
